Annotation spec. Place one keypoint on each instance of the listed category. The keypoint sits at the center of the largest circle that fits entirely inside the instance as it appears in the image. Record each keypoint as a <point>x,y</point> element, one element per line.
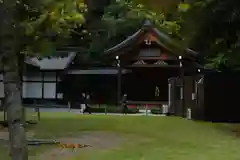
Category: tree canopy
<point>212,28</point>
<point>29,27</point>
<point>122,18</point>
<point>47,23</point>
<point>50,23</point>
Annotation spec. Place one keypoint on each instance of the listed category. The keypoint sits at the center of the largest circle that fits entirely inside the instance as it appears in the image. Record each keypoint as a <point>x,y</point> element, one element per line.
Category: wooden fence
<point>218,97</point>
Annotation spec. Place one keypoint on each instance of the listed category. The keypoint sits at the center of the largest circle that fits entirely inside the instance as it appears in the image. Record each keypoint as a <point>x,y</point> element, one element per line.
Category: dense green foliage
<point>212,28</point>
<point>122,18</point>
<point>113,110</point>
<point>48,23</point>
<point>42,25</point>
<point>158,5</point>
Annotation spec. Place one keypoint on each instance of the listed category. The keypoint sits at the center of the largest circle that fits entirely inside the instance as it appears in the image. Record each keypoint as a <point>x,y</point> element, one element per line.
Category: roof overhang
<point>97,72</point>
<point>51,63</point>
<point>162,39</point>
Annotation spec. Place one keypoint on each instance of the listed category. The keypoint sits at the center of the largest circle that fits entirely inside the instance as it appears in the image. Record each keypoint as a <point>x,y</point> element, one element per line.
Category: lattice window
<point>140,62</point>
<point>161,62</point>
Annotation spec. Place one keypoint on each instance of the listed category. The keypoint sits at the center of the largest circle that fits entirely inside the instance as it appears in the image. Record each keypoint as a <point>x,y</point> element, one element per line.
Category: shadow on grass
<point>229,129</point>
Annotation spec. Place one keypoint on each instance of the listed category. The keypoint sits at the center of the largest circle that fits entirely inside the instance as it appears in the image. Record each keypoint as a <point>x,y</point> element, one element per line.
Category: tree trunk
<point>12,80</point>
<point>17,137</point>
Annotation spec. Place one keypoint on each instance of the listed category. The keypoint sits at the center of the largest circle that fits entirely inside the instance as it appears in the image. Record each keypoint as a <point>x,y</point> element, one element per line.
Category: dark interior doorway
<point>102,88</point>
<point>149,84</point>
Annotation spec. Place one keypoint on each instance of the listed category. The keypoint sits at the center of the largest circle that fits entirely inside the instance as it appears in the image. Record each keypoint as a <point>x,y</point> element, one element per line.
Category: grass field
<point>146,138</point>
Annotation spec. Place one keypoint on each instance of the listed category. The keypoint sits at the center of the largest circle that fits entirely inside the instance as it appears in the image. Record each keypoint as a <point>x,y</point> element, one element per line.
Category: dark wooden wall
<point>221,97</point>
<point>139,85</point>
<point>102,88</point>
<point>188,90</point>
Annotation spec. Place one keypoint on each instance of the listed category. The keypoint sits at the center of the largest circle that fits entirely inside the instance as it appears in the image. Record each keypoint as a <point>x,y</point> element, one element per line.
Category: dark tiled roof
<point>130,39</point>
<point>164,40</point>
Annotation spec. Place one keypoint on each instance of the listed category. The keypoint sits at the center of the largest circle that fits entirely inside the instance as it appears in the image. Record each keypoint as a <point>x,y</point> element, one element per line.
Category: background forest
<point>45,27</point>
<point>50,24</point>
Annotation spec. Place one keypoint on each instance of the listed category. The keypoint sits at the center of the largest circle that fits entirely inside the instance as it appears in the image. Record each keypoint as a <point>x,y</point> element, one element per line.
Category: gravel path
<point>97,141</point>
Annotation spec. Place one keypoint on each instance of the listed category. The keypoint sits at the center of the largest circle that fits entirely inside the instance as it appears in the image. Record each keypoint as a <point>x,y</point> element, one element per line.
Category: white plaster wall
<point>32,90</point>
<point>49,90</point>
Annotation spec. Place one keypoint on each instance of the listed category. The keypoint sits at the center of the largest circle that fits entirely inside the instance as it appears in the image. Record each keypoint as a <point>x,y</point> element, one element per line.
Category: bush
<point>113,110</point>
<point>156,111</point>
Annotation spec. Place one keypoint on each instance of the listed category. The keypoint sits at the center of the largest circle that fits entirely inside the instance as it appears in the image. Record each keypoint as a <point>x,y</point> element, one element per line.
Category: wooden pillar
<point>119,80</point>
<point>181,70</point>
<point>42,81</point>
<point>172,95</point>
<point>182,93</point>
<point>182,88</point>
<point>200,100</point>
<point>119,85</point>
<point>56,82</point>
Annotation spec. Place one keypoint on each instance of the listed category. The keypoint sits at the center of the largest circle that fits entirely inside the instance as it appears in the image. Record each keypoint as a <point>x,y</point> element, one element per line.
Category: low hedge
<point>156,111</point>
<point>113,110</point>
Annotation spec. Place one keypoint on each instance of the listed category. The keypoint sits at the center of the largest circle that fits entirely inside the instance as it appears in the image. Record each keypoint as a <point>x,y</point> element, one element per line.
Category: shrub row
<point>156,111</point>
<point>113,110</point>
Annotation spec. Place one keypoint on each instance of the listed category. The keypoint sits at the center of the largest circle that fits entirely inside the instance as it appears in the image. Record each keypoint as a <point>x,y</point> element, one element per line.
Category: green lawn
<point>169,138</point>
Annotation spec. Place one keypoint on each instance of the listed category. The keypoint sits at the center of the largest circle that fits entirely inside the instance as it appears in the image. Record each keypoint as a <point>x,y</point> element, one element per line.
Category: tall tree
<point>12,80</point>
<point>24,24</point>
<point>50,23</point>
<point>212,27</point>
